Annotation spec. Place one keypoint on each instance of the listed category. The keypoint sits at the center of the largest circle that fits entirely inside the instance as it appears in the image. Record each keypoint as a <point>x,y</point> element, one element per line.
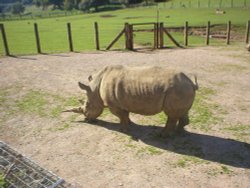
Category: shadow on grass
<point>211,148</point>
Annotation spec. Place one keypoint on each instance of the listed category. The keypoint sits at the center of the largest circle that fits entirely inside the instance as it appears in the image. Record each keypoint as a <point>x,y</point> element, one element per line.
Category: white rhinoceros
<point>140,90</point>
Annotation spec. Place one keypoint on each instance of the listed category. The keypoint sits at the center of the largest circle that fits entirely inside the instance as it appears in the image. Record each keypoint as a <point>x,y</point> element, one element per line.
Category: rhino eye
<point>90,78</point>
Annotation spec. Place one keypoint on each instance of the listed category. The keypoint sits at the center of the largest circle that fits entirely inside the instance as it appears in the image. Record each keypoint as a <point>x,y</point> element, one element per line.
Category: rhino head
<point>92,107</point>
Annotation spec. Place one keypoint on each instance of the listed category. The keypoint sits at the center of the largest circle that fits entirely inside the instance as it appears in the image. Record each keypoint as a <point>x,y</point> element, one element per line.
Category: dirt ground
<point>213,152</point>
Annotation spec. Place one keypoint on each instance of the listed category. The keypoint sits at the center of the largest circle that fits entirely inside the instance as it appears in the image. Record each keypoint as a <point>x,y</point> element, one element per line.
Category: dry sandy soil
<point>213,152</point>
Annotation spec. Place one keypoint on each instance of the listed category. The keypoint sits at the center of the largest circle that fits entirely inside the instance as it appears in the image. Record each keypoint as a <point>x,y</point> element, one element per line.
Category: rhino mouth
<point>88,117</point>
<point>90,120</point>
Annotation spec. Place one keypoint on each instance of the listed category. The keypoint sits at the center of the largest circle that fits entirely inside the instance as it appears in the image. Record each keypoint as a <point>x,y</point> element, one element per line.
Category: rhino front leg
<point>170,127</point>
<point>123,116</point>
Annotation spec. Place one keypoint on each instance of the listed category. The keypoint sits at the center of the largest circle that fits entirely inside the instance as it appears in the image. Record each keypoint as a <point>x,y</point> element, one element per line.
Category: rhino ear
<point>84,87</point>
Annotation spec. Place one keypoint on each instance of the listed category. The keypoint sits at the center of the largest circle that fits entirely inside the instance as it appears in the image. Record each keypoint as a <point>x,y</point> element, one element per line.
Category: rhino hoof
<point>165,134</point>
<point>180,130</point>
<point>124,130</point>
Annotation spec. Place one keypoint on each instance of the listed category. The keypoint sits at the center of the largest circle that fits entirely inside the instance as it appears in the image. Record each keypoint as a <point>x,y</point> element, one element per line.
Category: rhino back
<point>138,90</point>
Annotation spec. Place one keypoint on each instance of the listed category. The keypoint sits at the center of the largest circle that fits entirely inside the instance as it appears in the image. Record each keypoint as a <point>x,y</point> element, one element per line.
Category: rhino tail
<point>196,85</point>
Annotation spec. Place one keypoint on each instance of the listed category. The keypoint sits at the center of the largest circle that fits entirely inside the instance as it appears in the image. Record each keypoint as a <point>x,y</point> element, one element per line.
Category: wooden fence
<point>158,29</point>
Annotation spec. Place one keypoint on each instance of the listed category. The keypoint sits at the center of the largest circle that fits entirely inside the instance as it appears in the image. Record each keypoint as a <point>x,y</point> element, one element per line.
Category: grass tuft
<point>33,102</point>
<point>149,150</point>
<point>189,160</point>
<point>240,131</point>
<point>205,113</point>
<point>3,183</point>
<point>226,170</point>
<point>3,95</point>
<point>44,104</point>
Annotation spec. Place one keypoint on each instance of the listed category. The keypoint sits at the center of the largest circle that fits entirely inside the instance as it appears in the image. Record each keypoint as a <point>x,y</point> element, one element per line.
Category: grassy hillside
<point>53,31</point>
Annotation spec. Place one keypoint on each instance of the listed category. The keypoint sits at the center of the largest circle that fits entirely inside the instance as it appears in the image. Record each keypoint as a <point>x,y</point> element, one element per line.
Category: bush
<point>17,8</point>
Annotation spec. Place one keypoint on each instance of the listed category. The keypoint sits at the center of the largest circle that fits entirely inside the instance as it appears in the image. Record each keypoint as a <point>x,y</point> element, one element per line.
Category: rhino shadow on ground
<point>211,148</point>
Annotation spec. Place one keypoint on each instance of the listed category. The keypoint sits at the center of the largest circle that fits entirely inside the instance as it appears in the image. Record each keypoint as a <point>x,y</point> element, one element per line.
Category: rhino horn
<point>78,110</point>
<point>84,87</point>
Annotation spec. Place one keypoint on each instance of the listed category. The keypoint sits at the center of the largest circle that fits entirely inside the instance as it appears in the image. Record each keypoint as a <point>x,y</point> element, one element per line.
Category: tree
<point>161,1</point>
<point>97,3</point>
<point>76,3</point>
<point>41,3</point>
<point>134,1</point>
<point>27,2</point>
<point>2,8</point>
<point>87,4</point>
<point>57,3</point>
<point>17,8</point>
<point>68,4</point>
<point>84,5</point>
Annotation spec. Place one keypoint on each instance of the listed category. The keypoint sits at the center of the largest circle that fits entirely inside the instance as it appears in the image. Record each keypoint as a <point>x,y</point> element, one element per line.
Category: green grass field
<point>53,31</point>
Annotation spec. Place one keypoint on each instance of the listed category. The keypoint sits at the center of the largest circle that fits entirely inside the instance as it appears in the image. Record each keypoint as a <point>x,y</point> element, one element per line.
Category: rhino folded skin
<point>141,90</point>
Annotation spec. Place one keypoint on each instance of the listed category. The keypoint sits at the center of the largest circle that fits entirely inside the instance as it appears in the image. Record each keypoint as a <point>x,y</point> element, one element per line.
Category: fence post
<point>228,32</point>
<point>37,38</point>
<point>161,35</point>
<point>97,36</point>
<point>247,31</point>
<point>186,34</point>
<point>220,3</point>
<point>129,36</point>
<point>208,33</point>
<point>70,37</point>
<point>126,36</point>
<point>158,34</point>
<point>172,5</point>
<point>155,35</point>
<point>232,3</point>
<point>5,43</point>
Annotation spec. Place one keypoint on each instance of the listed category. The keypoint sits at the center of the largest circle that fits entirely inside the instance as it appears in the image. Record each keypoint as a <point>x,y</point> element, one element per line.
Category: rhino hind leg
<point>183,121</point>
<point>170,127</point>
<point>123,116</point>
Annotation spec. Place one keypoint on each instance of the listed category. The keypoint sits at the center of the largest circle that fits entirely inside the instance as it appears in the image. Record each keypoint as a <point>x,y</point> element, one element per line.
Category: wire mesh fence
<point>21,172</point>
<point>144,36</point>
<point>107,33</point>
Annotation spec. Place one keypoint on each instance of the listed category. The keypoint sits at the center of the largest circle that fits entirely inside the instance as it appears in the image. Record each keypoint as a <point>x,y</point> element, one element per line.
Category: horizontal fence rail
<point>124,36</point>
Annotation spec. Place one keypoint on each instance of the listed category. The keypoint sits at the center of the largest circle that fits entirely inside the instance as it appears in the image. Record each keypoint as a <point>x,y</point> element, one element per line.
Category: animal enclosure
<point>35,89</point>
<point>19,171</point>
<point>137,35</point>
